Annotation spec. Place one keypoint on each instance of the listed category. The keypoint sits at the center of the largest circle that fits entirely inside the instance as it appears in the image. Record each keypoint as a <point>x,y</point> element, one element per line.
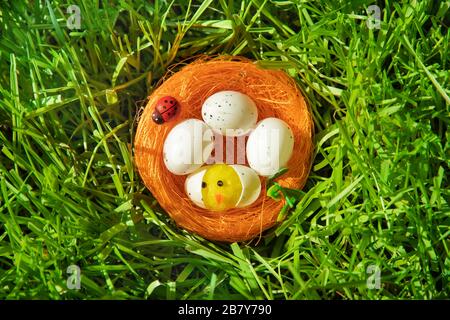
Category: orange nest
<point>275,94</point>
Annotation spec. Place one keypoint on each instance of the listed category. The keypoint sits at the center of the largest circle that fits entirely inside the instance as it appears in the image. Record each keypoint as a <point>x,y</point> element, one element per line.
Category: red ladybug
<point>166,108</point>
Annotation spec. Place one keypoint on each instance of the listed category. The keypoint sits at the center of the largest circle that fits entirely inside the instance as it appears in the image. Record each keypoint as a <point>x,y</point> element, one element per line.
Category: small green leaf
<point>274,192</point>
<point>280,172</point>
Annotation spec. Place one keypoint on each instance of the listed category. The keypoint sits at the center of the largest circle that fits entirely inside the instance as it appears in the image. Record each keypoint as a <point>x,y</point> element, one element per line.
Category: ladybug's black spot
<point>165,101</point>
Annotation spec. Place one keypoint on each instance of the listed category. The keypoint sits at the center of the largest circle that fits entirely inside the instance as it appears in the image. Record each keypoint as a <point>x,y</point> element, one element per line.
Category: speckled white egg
<point>251,185</point>
<point>269,146</point>
<point>230,113</point>
<point>193,186</point>
<point>187,146</point>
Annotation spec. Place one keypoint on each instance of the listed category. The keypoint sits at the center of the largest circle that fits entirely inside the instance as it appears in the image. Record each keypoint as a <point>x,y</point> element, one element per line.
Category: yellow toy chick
<point>221,187</point>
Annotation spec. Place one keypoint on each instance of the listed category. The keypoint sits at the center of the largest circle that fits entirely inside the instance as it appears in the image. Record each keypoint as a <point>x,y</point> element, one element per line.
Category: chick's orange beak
<point>219,198</point>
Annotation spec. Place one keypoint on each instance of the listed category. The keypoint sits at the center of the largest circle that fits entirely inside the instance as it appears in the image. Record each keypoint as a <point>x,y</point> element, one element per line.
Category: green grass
<point>378,193</point>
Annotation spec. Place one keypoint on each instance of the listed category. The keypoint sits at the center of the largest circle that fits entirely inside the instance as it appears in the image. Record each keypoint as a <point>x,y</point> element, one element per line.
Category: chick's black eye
<point>220,183</point>
<point>203,184</point>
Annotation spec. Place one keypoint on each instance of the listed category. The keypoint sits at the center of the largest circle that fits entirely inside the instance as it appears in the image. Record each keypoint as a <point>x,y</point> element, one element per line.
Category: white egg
<point>193,186</point>
<point>230,113</point>
<point>187,146</point>
<point>251,185</point>
<point>269,146</point>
